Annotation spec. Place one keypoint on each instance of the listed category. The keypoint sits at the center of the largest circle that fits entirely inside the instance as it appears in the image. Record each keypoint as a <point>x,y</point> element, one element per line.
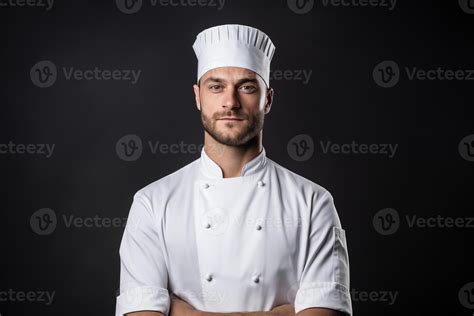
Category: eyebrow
<point>240,81</point>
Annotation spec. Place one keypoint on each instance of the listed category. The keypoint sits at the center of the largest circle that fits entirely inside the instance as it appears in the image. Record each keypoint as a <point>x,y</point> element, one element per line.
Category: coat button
<point>258,227</point>
<point>256,279</point>
<point>260,183</point>
<point>207,225</point>
<point>209,278</point>
<point>205,185</point>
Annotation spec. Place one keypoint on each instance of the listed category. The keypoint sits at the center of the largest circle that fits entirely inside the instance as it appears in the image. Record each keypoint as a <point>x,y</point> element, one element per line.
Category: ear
<point>269,100</point>
<point>196,96</point>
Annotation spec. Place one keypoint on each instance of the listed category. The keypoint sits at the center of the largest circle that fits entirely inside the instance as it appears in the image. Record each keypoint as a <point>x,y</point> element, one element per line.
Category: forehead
<point>230,73</point>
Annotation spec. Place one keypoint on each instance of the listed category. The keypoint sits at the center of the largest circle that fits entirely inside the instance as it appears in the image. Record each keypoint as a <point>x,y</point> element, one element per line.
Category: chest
<point>234,237</point>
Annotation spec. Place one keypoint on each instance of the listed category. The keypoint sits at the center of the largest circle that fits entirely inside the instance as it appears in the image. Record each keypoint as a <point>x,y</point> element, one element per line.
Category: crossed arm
<point>182,308</point>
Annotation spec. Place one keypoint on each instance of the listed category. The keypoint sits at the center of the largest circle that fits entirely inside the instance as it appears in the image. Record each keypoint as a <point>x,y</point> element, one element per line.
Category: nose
<point>231,99</point>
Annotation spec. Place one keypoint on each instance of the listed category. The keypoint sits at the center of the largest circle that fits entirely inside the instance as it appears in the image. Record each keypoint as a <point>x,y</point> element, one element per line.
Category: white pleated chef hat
<point>234,45</point>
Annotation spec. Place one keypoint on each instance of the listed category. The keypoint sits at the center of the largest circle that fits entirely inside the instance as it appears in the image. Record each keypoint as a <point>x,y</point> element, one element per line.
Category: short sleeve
<point>143,272</point>
<point>325,278</point>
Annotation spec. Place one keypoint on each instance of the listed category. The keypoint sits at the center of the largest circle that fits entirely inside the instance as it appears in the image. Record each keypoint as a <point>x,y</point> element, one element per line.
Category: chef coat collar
<point>212,170</point>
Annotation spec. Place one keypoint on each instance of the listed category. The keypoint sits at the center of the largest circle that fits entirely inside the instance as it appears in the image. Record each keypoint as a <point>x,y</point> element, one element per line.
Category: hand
<point>284,310</point>
<point>180,308</point>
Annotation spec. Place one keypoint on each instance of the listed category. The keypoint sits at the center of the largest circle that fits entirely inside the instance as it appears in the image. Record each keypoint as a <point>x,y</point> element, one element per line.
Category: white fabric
<point>234,45</point>
<point>247,243</point>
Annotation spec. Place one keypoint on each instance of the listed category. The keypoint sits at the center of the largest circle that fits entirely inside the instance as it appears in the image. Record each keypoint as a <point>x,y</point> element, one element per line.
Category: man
<point>233,232</point>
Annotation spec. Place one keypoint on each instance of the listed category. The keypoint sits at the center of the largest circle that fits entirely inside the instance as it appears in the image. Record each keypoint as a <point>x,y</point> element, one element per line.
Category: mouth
<point>230,119</point>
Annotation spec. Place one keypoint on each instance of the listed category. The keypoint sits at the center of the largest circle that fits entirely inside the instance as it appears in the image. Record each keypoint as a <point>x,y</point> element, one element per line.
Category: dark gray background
<point>341,103</point>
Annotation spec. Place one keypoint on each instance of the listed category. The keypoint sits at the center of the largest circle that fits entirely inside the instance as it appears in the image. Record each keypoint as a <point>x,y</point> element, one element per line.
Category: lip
<point>230,119</point>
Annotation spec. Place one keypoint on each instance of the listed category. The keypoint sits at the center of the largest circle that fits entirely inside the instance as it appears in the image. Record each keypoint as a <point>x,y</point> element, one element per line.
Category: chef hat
<point>234,45</point>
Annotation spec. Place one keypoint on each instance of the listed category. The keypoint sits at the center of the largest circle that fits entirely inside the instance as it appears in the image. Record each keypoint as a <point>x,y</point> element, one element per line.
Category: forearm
<point>257,313</point>
<point>180,307</point>
<point>307,312</point>
<point>313,311</point>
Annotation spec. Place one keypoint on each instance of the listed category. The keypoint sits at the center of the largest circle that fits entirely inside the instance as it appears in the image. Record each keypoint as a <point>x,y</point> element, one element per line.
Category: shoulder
<point>160,189</point>
<point>298,183</point>
<point>314,198</point>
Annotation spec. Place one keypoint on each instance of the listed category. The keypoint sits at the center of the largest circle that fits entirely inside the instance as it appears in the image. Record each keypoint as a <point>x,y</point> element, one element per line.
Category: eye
<point>214,87</point>
<point>248,88</point>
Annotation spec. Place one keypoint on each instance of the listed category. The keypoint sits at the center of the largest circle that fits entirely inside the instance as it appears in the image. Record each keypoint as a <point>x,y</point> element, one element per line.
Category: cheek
<point>207,103</point>
<point>253,102</point>
<point>251,99</point>
<point>209,99</point>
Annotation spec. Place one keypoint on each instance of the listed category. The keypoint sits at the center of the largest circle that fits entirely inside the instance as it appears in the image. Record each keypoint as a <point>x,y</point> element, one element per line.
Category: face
<point>233,102</point>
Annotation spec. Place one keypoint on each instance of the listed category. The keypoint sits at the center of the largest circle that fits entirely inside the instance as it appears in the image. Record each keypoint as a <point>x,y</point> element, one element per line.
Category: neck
<point>231,159</point>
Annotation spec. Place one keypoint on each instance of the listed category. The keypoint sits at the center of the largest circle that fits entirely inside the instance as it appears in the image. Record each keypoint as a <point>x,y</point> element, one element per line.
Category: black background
<point>341,103</point>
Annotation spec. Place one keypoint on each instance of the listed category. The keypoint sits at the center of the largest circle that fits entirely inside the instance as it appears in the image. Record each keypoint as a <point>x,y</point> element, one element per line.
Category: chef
<point>233,232</point>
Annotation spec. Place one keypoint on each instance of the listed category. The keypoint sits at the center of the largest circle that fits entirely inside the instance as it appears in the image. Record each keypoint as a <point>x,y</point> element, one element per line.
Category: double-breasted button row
<point>208,225</point>
<point>209,278</point>
<point>260,183</point>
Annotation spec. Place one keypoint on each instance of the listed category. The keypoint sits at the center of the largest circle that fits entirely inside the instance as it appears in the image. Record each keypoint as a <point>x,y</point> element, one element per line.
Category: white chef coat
<point>247,243</point>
